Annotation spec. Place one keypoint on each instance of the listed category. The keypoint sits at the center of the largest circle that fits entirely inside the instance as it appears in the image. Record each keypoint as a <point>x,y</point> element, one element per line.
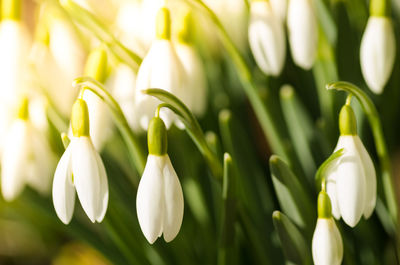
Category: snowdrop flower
<point>303,32</point>
<point>161,68</point>
<point>327,245</point>
<point>69,57</point>
<point>267,38</point>
<point>279,7</point>
<point>14,49</point>
<point>195,96</point>
<point>159,201</point>
<point>80,168</point>
<point>27,158</point>
<point>123,81</point>
<point>99,118</point>
<point>378,50</point>
<point>351,182</point>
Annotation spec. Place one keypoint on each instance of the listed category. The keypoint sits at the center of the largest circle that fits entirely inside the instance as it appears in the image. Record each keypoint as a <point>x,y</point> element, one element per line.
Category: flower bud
<point>324,205</point>
<point>80,118</point>
<point>157,137</point>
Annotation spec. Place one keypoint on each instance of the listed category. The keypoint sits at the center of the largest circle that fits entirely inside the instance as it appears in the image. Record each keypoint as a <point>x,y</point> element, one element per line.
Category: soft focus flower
<point>279,8</point>
<point>27,158</point>
<point>377,52</point>
<point>267,38</point>
<point>351,183</point>
<point>80,168</point>
<point>195,93</point>
<point>159,201</point>
<point>327,245</point>
<point>100,120</point>
<point>161,68</point>
<point>303,32</point>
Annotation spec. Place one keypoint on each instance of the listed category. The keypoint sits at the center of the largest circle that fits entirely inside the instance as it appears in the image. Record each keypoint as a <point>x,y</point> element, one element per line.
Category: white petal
<point>350,182</point>
<point>103,202</point>
<point>377,52</point>
<point>150,198</point>
<point>303,32</point>
<point>267,38</point>
<point>63,189</point>
<point>370,178</point>
<point>174,206</point>
<point>86,175</point>
<point>331,190</point>
<point>280,8</point>
<point>327,246</point>
<point>14,160</point>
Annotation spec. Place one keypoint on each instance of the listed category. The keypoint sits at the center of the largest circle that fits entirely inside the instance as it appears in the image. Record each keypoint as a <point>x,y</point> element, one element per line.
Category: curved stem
<point>323,169</point>
<point>380,142</point>
<point>136,154</point>
<point>192,127</point>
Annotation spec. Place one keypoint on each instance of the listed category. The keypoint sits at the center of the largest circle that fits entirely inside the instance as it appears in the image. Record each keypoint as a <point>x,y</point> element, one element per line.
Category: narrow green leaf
<point>292,195</point>
<point>226,251</point>
<point>300,128</point>
<point>326,21</point>
<point>294,246</point>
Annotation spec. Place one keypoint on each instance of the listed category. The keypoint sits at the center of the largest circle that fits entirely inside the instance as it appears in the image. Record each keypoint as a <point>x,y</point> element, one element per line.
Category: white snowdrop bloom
<point>27,158</point>
<point>195,96</point>
<point>327,245</point>
<point>124,82</point>
<point>99,118</point>
<point>377,52</point>
<point>80,168</point>
<point>303,32</point>
<point>267,38</point>
<point>279,8</point>
<point>351,182</point>
<point>69,56</point>
<point>234,18</point>
<point>161,68</point>
<point>159,200</point>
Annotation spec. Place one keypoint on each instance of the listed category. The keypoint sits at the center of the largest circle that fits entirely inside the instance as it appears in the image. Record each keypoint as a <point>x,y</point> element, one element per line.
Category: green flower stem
<point>270,129</point>
<point>192,127</point>
<point>90,22</point>
<point>323,169</point>
<point>380,142</point>
<point>136,153</point>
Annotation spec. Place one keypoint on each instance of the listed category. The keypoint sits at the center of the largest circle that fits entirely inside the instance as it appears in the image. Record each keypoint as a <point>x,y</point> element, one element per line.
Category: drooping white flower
<point>80,168</point>
<point>351,182</point>
<point>100,120</point>
<point>267,38</point>
<point>123,81</point>
<point>303,32</point>
<point>327,245</point>
<point>195,94</point>
<point>161,68</point>
<point>69,56</point>
<point>377,52</point>
<point>27,158</point>
<point>159,200</point>
<point>279,8</point>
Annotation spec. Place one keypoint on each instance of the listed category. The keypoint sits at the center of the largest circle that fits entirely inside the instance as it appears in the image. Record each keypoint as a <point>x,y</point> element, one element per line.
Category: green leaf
<point>295,247</point>
<point>226,251</point>
<point>300,128</point>
<point>292,196</point>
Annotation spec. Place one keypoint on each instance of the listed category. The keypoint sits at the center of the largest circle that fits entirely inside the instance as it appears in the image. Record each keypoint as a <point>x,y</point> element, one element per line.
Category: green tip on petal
<point>11,9</point>
<point>379,8</point>
<point>96,64</point>
<point>157,137</point>
<point>80,118</point>
<point>324,205</point>
<point>163,24</point>
<point>23,109</point>
<point>347,121</point>
<point>185,30</point>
